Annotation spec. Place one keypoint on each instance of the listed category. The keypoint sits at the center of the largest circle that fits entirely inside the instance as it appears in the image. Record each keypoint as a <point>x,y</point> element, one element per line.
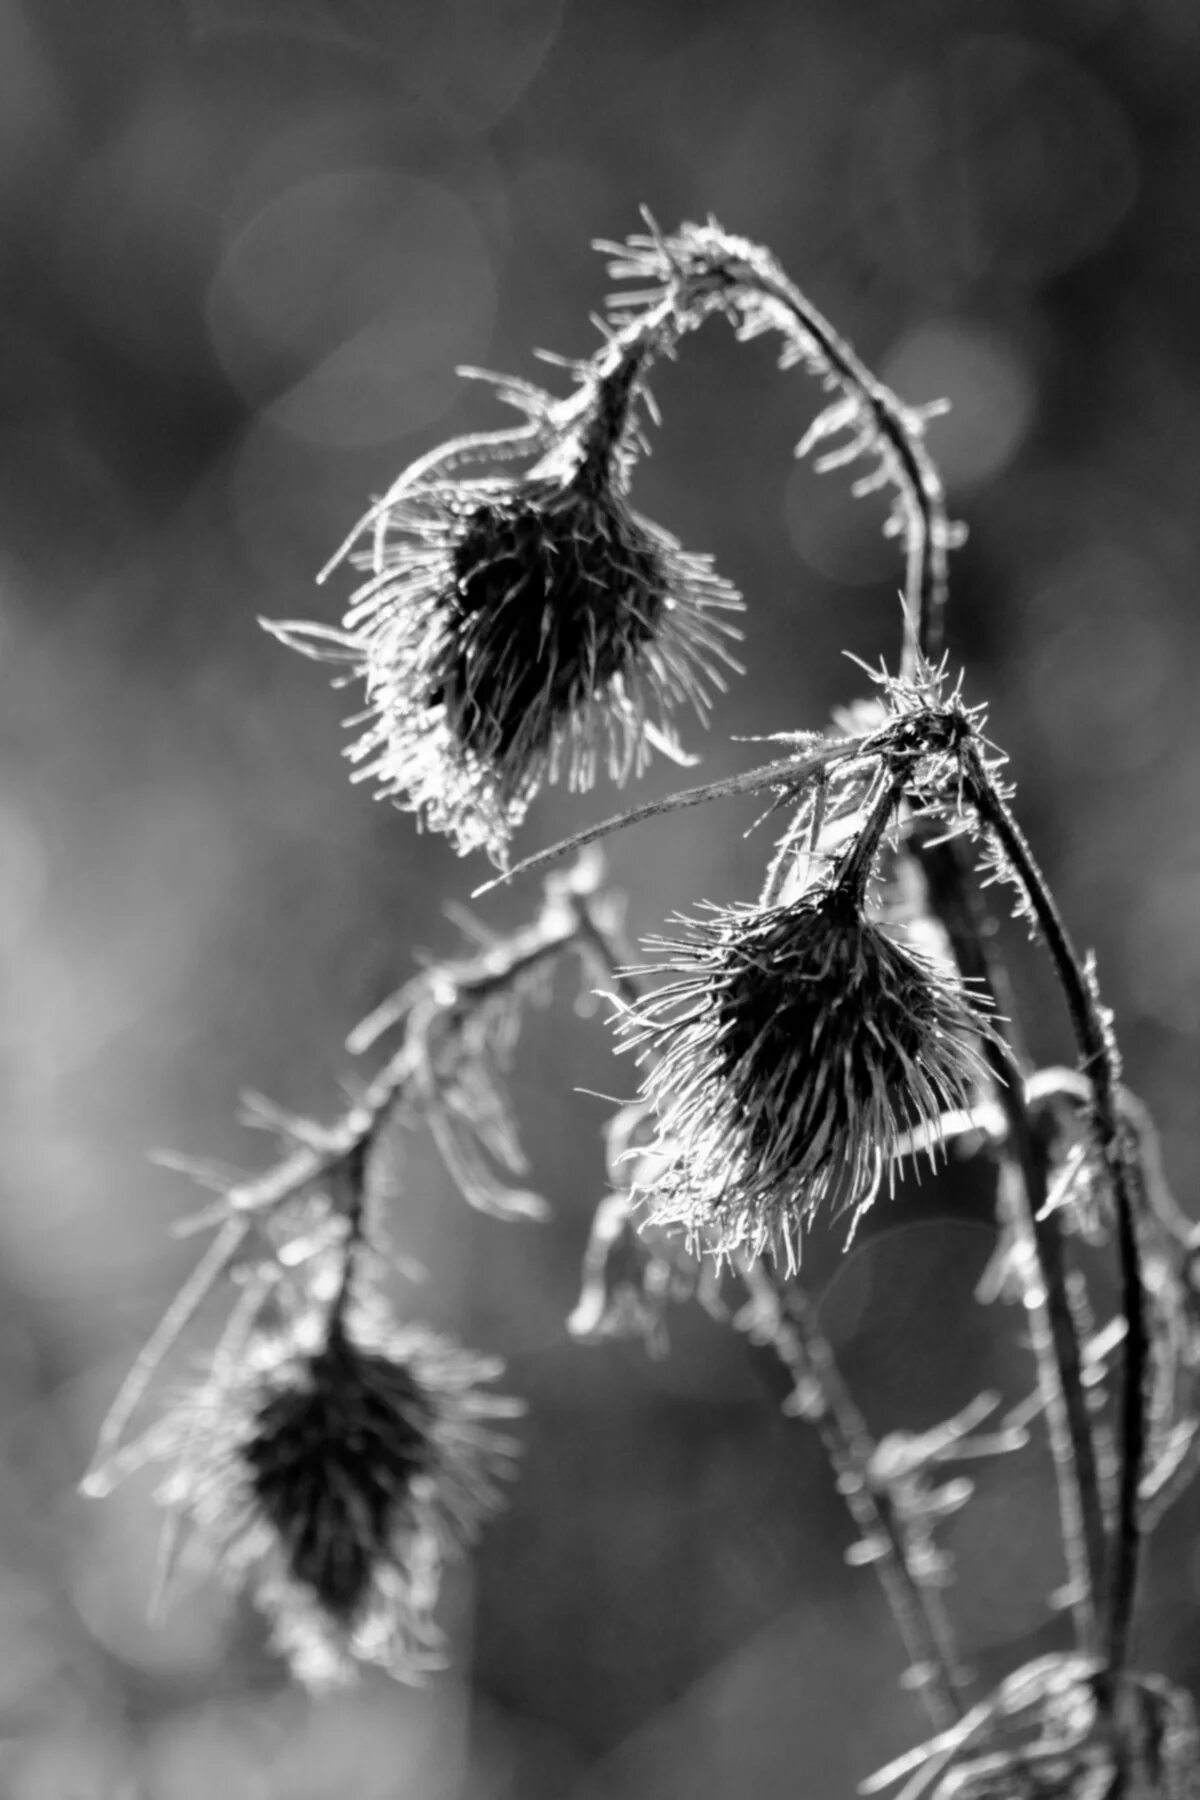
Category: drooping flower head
<point>795,1049</point>
<point>332,1477</point>
<point>515,628</point>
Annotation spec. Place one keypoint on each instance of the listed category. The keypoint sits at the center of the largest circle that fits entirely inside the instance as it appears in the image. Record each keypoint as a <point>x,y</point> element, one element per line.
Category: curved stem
<point>744,275</point>
<point>909,465</point>
<point>1098,1056</point>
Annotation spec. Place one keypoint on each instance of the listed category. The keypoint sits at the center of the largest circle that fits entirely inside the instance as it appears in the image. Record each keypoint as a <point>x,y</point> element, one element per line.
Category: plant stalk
<point>803,1350</point>
<point>897,433</point>
<point>1052,1325</point>
<point>1098,1057</point>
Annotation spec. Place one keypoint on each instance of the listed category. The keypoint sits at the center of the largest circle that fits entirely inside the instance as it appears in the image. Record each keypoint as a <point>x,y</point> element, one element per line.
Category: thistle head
<point>513,629</point>
<point>794,1051</point>
<point>333,1476</point>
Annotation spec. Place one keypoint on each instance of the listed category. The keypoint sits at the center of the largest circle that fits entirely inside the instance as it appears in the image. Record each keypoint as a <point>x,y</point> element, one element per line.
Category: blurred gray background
<point>244,243</point>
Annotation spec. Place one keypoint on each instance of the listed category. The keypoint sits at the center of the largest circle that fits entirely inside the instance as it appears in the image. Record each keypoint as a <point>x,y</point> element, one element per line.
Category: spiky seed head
<point>333,1478</point>
<point>512,628</point>
<point>789,1056</point>
<point>519,630</point>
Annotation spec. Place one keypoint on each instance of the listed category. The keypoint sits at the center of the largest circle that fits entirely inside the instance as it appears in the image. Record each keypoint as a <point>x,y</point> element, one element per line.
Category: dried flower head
<point>332,1474</point>
<point>513,628</point>
<point>794,1049</point>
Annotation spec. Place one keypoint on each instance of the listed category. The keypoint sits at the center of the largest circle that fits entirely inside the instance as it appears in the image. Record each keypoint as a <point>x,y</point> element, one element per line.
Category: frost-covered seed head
<point>787,1059</point>
<point>512,628</point>
<point>523,629</point>
<point>556,591</point>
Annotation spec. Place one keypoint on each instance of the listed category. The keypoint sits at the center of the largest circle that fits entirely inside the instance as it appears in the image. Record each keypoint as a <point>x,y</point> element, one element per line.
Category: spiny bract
<point>794,1050</point>
<point>523,628</point>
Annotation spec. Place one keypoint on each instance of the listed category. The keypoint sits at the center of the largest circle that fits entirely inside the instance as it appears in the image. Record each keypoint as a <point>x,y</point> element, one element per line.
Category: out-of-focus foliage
<point>245,242</point>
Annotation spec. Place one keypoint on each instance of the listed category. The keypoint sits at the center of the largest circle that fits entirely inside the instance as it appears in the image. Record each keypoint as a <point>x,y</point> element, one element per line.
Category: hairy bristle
<point>554,594</point>
<point>794,1050</point>
<point>522,630</point>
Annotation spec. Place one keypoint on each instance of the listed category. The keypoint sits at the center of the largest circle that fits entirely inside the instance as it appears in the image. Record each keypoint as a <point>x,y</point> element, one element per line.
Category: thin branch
<point>788,772</point>
<point>877,421</point>
<point>908,464</point>
<point>191,1296</point>
<point>787,1321</point>
<point>1052,1327</point>
<point>338,1155</point>
<point>1098,1056</point>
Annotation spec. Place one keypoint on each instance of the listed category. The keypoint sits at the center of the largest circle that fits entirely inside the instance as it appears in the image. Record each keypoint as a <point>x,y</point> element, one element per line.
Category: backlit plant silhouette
<point>517,622</point>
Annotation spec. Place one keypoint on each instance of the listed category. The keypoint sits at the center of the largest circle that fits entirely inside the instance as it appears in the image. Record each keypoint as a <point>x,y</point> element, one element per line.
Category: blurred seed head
<point>332,1475</point>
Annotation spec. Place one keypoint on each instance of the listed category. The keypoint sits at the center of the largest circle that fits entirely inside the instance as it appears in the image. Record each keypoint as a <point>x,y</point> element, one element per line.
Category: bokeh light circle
<point>1002,160</point>
<point>988,384</point>
<point>342,305</point>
